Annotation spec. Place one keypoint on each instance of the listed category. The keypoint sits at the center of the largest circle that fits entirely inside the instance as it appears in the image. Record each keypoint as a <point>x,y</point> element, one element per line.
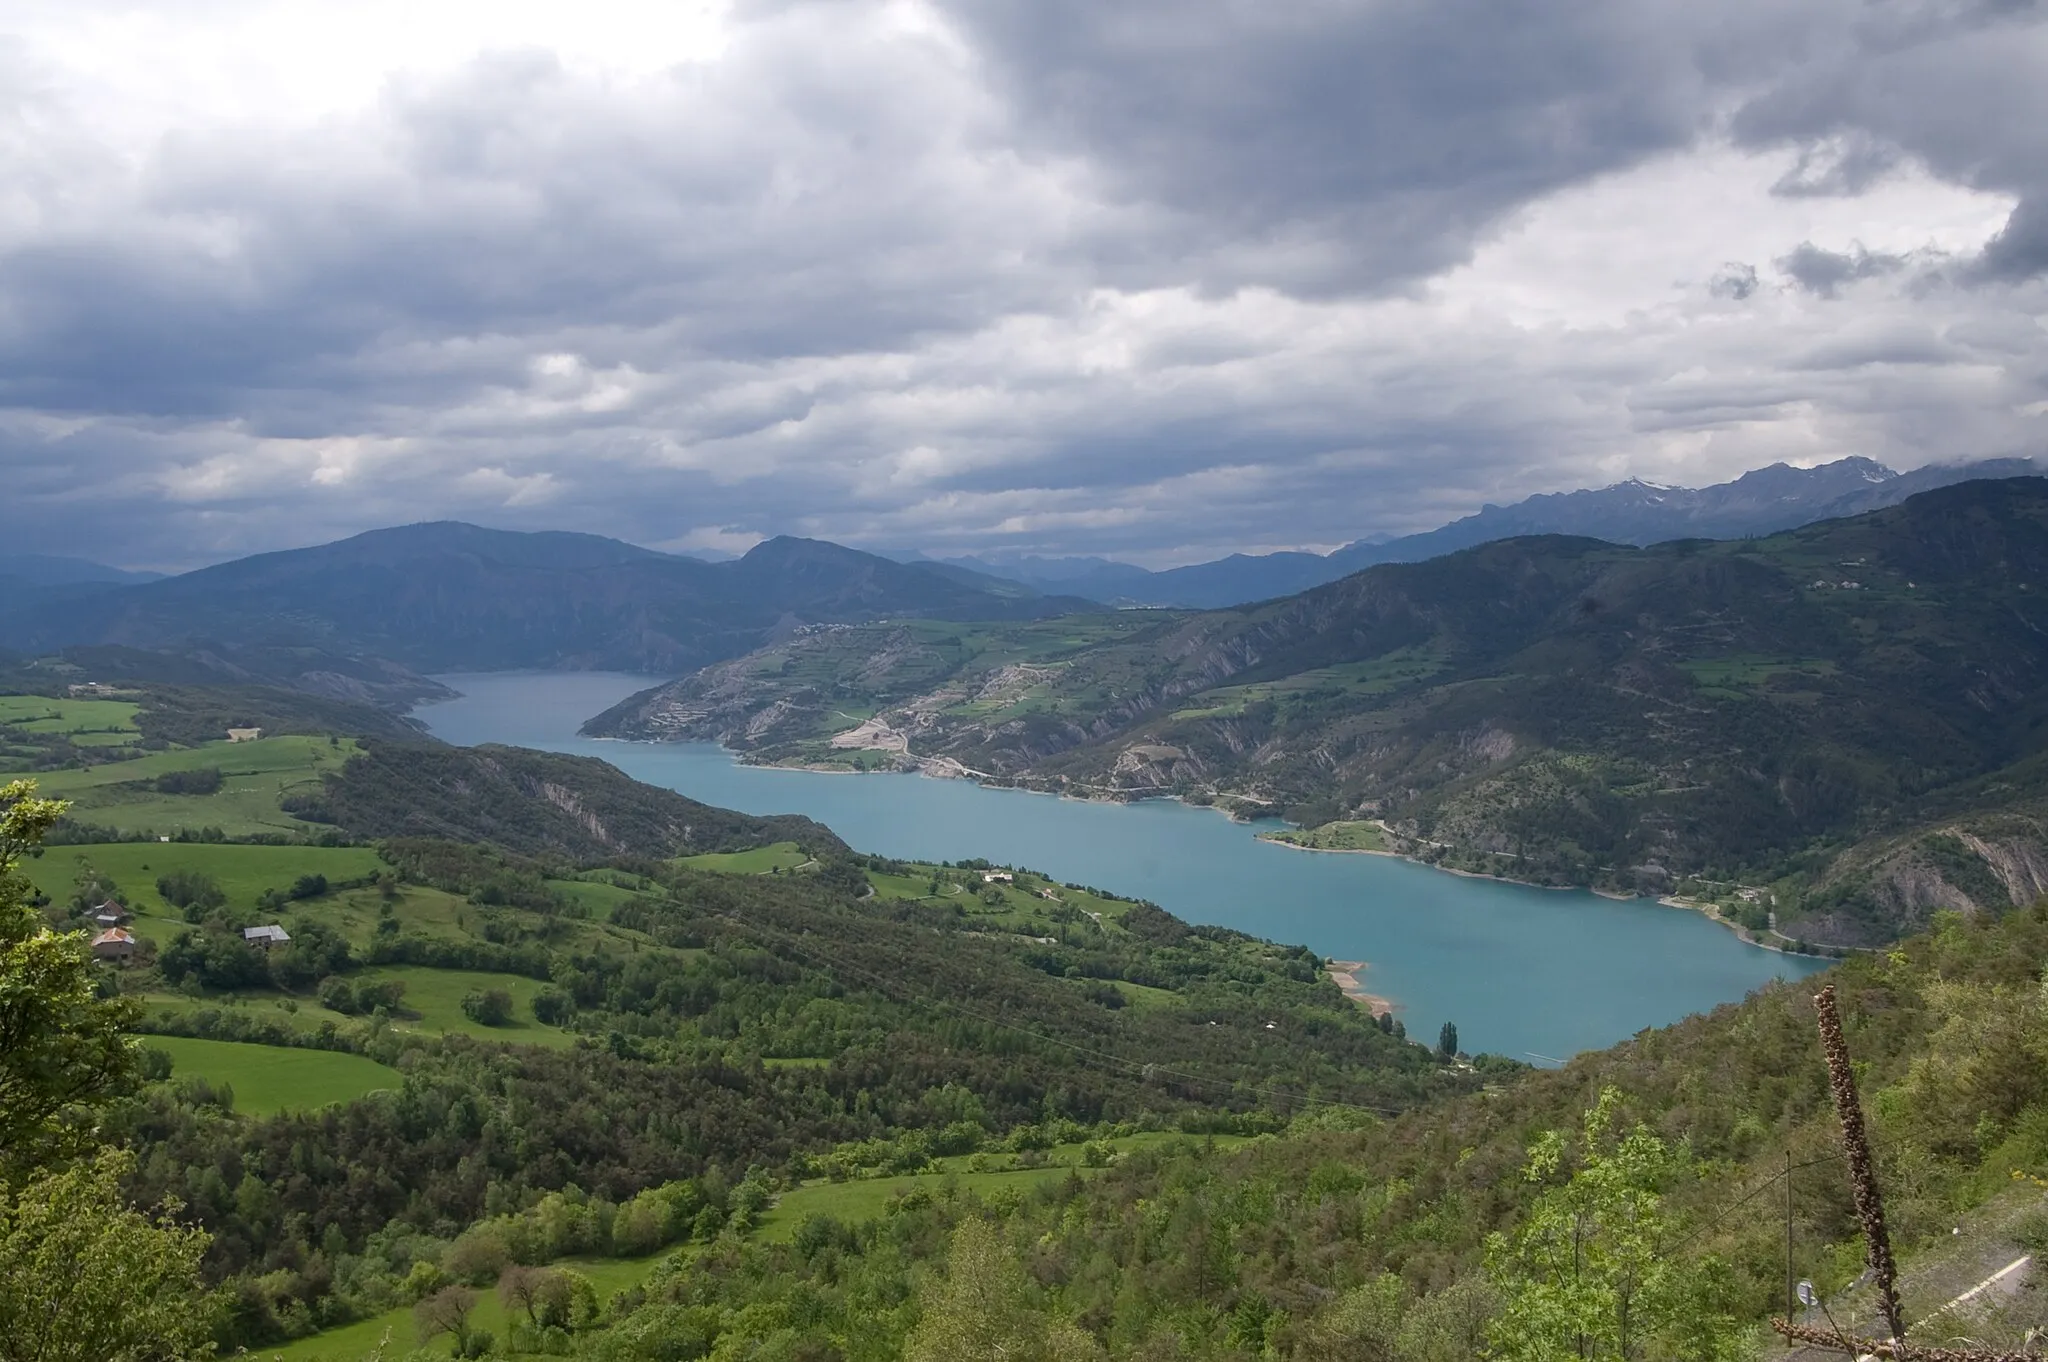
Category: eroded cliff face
<point>1986,863</point>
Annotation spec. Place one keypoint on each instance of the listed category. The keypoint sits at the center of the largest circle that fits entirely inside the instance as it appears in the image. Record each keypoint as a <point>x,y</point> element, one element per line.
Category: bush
<point>336,995</point>
<point>487,1007</point>
<point>552,1006</point>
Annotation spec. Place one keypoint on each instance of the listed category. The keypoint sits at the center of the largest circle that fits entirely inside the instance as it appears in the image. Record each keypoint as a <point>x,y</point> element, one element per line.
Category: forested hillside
<point>763,1104</point>
<point>1845,720</point>
<point>538,803</point>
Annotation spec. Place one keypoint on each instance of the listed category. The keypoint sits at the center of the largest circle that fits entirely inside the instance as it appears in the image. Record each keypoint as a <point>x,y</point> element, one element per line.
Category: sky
<point>1157,280</point>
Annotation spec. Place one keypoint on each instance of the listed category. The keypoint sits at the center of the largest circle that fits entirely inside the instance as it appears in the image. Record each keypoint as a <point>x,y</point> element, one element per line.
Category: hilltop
<point>455,597</point>
<point>1845,720</point>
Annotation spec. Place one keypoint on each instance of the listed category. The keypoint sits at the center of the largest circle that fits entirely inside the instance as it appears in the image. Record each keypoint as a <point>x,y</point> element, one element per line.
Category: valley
<point>581,1066</point>
<point>1519,969</point>
<point>1827,734</point>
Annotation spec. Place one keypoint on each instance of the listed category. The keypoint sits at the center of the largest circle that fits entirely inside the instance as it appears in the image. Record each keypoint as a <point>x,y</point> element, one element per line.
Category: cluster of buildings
<point>115,942</point>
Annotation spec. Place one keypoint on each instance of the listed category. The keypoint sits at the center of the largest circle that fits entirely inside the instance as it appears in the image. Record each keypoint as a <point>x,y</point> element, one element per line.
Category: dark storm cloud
<point>2020,251</point>
<point>1327,148</point>
<point>778,205</point>
<point>1823,273</point>
<point>1148,277</point>
<point>1957,87</point>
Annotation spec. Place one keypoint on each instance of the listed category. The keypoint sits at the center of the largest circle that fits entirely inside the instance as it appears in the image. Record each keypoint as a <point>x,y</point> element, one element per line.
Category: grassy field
<point>1349,835</point>
<point>1144,995</point>
<point>759,861</point>
<point>88,723</point>
<point>257,774</point>
<point>435,995</point>
<point>354,1342</point>
<point>243,872</point>
<point>268,1078</point>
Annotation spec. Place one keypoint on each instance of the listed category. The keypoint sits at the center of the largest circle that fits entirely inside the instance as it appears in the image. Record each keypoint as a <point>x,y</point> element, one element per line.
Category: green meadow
<point>268,1079</point>
<point>87,723</point>
<point>783,856</point>
<point>256,776</point>
<point>433,1003</point>
<point>243,872</point>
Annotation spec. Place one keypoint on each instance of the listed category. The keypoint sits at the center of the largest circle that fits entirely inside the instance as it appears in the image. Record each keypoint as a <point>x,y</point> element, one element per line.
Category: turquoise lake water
<point>1526,972</point>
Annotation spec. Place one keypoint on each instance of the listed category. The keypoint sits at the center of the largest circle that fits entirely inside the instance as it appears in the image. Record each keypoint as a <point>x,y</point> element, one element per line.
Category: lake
<point>1533,973</point>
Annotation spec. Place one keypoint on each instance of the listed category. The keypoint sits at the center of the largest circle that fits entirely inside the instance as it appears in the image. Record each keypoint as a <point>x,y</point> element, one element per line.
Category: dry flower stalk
<point>1862,1170</point>
<point>1870,1211</point>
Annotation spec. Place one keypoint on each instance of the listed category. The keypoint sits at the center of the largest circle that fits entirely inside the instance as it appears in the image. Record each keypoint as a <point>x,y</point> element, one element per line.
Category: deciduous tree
<point>1589,1274</point>
<point>60,1043</point>
<point>84,1278</point>
<point>445,1312</point>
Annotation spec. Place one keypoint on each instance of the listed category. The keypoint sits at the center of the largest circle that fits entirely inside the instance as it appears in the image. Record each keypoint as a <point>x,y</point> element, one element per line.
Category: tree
<point>1362,1324</point>
<point>487,1007</point>
<point>60,1044</point>
<point>523,1288</point>
<point>1447,1041</point>
<point>83,1278</point>
<point>197,893</point>
<point>445,1312</point>
<point>983,1312</point>
<point>1588,1274</point>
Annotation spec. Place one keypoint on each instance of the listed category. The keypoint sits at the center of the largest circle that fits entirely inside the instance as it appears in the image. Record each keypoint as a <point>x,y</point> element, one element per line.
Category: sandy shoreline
<point>1344,973</point>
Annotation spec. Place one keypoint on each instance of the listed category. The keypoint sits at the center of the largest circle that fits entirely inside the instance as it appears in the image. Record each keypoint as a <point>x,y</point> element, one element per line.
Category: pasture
<point>268,1079</point>
<point>435,997</point>
<point>243,872</point>
<point>784,856</point>
<point>256,775</point>
<point>87,723</point>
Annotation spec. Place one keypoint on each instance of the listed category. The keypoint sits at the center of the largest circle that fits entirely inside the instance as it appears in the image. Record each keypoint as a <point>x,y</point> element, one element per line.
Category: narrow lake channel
<point>1533,973</point>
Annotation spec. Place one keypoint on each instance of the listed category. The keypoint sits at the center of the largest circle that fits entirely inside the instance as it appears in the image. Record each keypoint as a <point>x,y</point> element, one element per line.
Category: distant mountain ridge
<point>447,596</point>
<point>1763,501</point>
<point>43,569</point>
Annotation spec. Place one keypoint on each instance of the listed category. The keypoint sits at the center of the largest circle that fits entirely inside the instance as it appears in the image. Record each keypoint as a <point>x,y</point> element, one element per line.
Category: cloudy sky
<point>1158,279</point>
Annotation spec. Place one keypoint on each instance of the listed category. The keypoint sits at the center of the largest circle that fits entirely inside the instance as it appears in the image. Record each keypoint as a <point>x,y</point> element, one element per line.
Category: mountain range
<point>1852,713</point>
<point>1763,501</point>
<point>453,597</point>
